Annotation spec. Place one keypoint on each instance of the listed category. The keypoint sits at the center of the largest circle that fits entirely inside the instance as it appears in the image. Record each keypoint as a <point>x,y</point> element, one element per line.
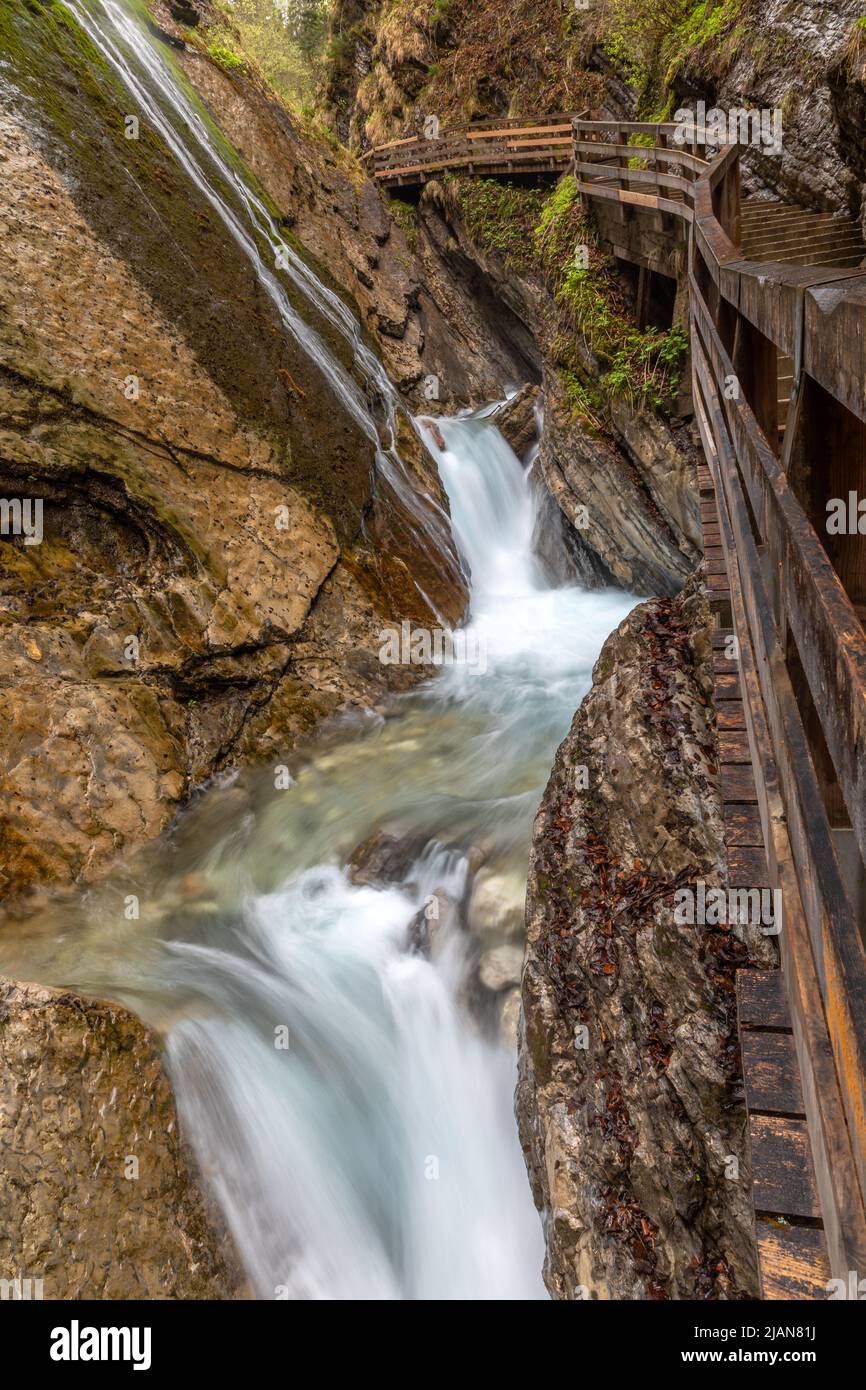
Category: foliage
<point>642,366</point>
<point>284,38</point>
<point>223,55</point>
<point>406,217</point>
<point>651,40</point>
<point>499,217</point>
<point>539,234</point>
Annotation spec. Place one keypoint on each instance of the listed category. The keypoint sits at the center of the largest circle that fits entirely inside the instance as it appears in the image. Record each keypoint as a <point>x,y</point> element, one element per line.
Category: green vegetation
<point>642,365</point>
<point>551,238</point>
<point>651,40</point>
<point>223,55</point>
<point>856,46</point>
<point>406,217</point>
<point>500,218</point>
<point>284,39</point>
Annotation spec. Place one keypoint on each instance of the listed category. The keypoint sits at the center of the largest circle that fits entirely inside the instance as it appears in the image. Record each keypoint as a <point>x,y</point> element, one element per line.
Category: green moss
<point>406,217</point>
<point>584,403</point>
<point>224,57</point>
<point>549,236</point>
<point>642,366</point>
<point>499,217</point>
<point>651,43</point>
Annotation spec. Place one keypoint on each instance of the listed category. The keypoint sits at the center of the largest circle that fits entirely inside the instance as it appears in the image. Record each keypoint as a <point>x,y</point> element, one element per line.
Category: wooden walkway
<point>777,304</point>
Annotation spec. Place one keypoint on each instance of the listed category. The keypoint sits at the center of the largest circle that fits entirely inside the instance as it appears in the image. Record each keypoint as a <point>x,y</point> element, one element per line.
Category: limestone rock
<point>100,1198</point>
<point>509,1018</point>
<point>218,555</point>
<point>500,968</point>
<point>516,421</point>
<point>629,1096</point>
<point>496,906</point>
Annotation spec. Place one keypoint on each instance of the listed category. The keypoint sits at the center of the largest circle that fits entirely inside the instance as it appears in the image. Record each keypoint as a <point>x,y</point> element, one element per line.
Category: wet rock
<point>101,1196</point>
<point>630,502</point>
<point>516,421</point>
<point>496,906</point>
<point>433,923</point>
<point>509,1018</point>
<point>206,590</point>
<point>500,967</point>
<point>384,858</point>
<point>433,430</point>
<point>629,1096</point>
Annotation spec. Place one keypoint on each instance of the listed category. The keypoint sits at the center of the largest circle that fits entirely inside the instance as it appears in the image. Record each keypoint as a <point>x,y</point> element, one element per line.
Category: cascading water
<point>354,1119</point>
<point>348,1103</point>
<point>163,97</point>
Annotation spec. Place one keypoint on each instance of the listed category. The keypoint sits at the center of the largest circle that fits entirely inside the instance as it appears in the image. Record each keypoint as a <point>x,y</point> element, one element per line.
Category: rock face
<point>217,554</point>
<point>809,62</point>
<point>99,1199</point>
<point>392,63</point>
<point>629,1100</point>
<point>630,500</point>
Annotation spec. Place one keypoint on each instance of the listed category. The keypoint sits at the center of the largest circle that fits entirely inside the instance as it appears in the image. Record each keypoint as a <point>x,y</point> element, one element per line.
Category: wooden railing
<point>802,648</point>
<point>501,146</point>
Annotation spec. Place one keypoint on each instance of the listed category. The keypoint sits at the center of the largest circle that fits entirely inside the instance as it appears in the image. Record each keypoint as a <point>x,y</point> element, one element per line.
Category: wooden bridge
<point>777,306</point>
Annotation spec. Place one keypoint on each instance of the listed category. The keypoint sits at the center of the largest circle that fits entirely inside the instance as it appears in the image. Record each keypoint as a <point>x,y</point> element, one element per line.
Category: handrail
<point>508,144</point>
<point>792,597</point>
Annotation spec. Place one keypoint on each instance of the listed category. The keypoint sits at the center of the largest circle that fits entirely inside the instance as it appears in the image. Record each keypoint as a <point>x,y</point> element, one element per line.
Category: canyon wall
<point>630,1095</point>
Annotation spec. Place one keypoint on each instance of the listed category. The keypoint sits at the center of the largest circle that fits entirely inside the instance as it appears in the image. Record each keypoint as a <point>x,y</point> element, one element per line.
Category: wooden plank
<point>837,1176</point>
<point>743,825</point>
<point>747,866</point>
<point>486,134</point>
<point>738,782</point>
<point>734,746</point>
<point>724,664</point>
<point>771,1074</point>
<point>761,1000</point>
<point>783,1181</point>
<point>726,686</point>
<point>792,1261</point>
<point>730,716</point>
<point>717,583</point>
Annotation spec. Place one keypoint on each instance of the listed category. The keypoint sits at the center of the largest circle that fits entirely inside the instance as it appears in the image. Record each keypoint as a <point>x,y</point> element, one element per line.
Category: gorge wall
<point>629,1097</point>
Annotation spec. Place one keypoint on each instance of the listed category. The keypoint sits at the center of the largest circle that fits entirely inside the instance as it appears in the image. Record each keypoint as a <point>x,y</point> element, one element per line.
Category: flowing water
<point>375,1155</point>
<point>348,1097</point>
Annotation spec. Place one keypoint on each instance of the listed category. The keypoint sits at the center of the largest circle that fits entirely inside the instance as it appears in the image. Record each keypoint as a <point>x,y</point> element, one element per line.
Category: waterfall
<point>164,98</point>
<point>348,1101</point>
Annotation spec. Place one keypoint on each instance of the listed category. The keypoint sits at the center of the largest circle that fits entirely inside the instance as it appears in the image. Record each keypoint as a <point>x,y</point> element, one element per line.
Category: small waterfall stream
<point>347,1100</point>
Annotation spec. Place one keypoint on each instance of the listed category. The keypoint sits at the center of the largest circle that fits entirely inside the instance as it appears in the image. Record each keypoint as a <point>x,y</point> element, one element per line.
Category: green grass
<point>406,217</point>
<point>224,57</point>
